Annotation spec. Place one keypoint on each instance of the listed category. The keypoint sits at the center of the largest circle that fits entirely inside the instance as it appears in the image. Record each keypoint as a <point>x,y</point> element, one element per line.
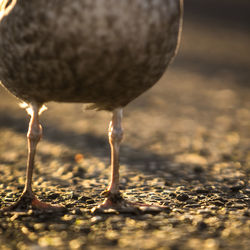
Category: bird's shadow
<point>97,146</point>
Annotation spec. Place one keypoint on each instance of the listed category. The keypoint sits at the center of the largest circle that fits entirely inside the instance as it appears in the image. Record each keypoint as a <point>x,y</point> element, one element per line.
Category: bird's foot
<point>29,201</point>
<point>115,203</point>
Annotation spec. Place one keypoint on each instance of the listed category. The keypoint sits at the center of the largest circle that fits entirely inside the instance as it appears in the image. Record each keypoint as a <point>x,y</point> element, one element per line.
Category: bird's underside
<point>104,52</point>
<point>91,51</point>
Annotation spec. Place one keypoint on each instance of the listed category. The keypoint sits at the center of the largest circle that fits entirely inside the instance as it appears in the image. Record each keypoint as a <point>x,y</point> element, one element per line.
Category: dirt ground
<point>186,146</point>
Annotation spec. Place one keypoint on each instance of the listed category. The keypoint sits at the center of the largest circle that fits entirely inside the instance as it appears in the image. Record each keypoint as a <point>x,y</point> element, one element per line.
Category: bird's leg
<point>34,135</point>
<point>115,138</point>
<point>114,199</point>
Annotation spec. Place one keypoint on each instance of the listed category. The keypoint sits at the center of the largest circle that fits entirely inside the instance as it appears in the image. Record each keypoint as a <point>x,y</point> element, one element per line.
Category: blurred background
<point>216,37</point>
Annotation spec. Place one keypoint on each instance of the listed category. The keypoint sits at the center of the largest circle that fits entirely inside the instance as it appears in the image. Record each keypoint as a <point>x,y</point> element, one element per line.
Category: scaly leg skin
<point>28,199</point>
<point>114,199</point>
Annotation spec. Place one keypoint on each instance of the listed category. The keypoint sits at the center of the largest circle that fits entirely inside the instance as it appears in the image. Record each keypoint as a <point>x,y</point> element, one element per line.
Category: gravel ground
<point>186,146</point>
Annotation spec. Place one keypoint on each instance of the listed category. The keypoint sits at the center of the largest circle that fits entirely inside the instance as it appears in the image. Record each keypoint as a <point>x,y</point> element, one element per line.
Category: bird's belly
<point>109,81</point>
<point>98,51</point>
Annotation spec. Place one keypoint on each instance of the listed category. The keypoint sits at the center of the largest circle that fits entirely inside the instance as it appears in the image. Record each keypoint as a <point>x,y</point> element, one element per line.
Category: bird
<point>103,53</point>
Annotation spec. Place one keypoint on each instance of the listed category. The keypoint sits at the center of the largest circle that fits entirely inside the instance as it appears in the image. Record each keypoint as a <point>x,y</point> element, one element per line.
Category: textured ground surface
<point>186,146</point>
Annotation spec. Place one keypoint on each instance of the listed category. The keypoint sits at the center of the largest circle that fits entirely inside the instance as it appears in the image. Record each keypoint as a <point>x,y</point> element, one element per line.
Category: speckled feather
<point>104,52</point>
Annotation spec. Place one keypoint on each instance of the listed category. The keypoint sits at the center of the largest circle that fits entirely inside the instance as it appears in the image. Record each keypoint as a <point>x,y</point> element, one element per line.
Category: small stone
<point>200,190</point>
<point>182,197</point>
<point>68,217</point>
<point>211,244</point>
<point>74,196</point>
<point>201,226</point>
<point>78,172</point>
<point>40,226</point>
<point>226,157</point>
<point>247,213</point>
<point>84,198</point>
<point>201,197</point>
<point>168,183</point>
<point>77,211</point>
<point>192,205</point>
<point>96,219</point>
<point>237,187</point>
<point>198,169</point>
<point>238,206</point>
<point>218,203</point>
<point>150,209</point>
<point>173,195</point>
<point>90,201</point>
<point>203,211</point>
<point>76,243</point>
<point>58,227</point>
<point>205,152</point>
<point>53,196</point>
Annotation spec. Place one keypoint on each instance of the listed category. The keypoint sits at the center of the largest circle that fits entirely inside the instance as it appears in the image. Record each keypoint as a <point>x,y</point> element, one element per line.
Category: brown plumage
<point>102,52</point>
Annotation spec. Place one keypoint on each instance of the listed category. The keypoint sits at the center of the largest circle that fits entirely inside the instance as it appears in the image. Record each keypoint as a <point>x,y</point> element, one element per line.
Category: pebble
<point>182,197</point>
<point>238,206</point>
<point>84,198</point>
<point>77,211</point>
<point>201,225</point>
<point>58,227</point>
<point>96,219</point>
<point>40,226</point>
<point>192,205</point>
<point>218,203</point>
<point>203,211</point>
<point>173,195</point>
<point>237,187</point>
<point>168,183</point>
<point>198,169</point>
<point>53,196</point>
<point>200,190</point>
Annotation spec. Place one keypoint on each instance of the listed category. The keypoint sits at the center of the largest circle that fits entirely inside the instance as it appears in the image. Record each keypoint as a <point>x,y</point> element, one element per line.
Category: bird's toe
<point>44,206</point>
<point>117,204</point>
<point>27,202</point>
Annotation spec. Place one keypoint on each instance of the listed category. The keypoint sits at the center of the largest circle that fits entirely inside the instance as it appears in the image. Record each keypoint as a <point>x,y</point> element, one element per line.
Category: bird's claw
<point>115,203</point>
<point>27,202</point>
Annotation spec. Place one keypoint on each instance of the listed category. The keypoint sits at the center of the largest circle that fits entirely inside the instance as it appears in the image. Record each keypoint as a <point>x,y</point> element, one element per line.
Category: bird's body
<point>103,52</point>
